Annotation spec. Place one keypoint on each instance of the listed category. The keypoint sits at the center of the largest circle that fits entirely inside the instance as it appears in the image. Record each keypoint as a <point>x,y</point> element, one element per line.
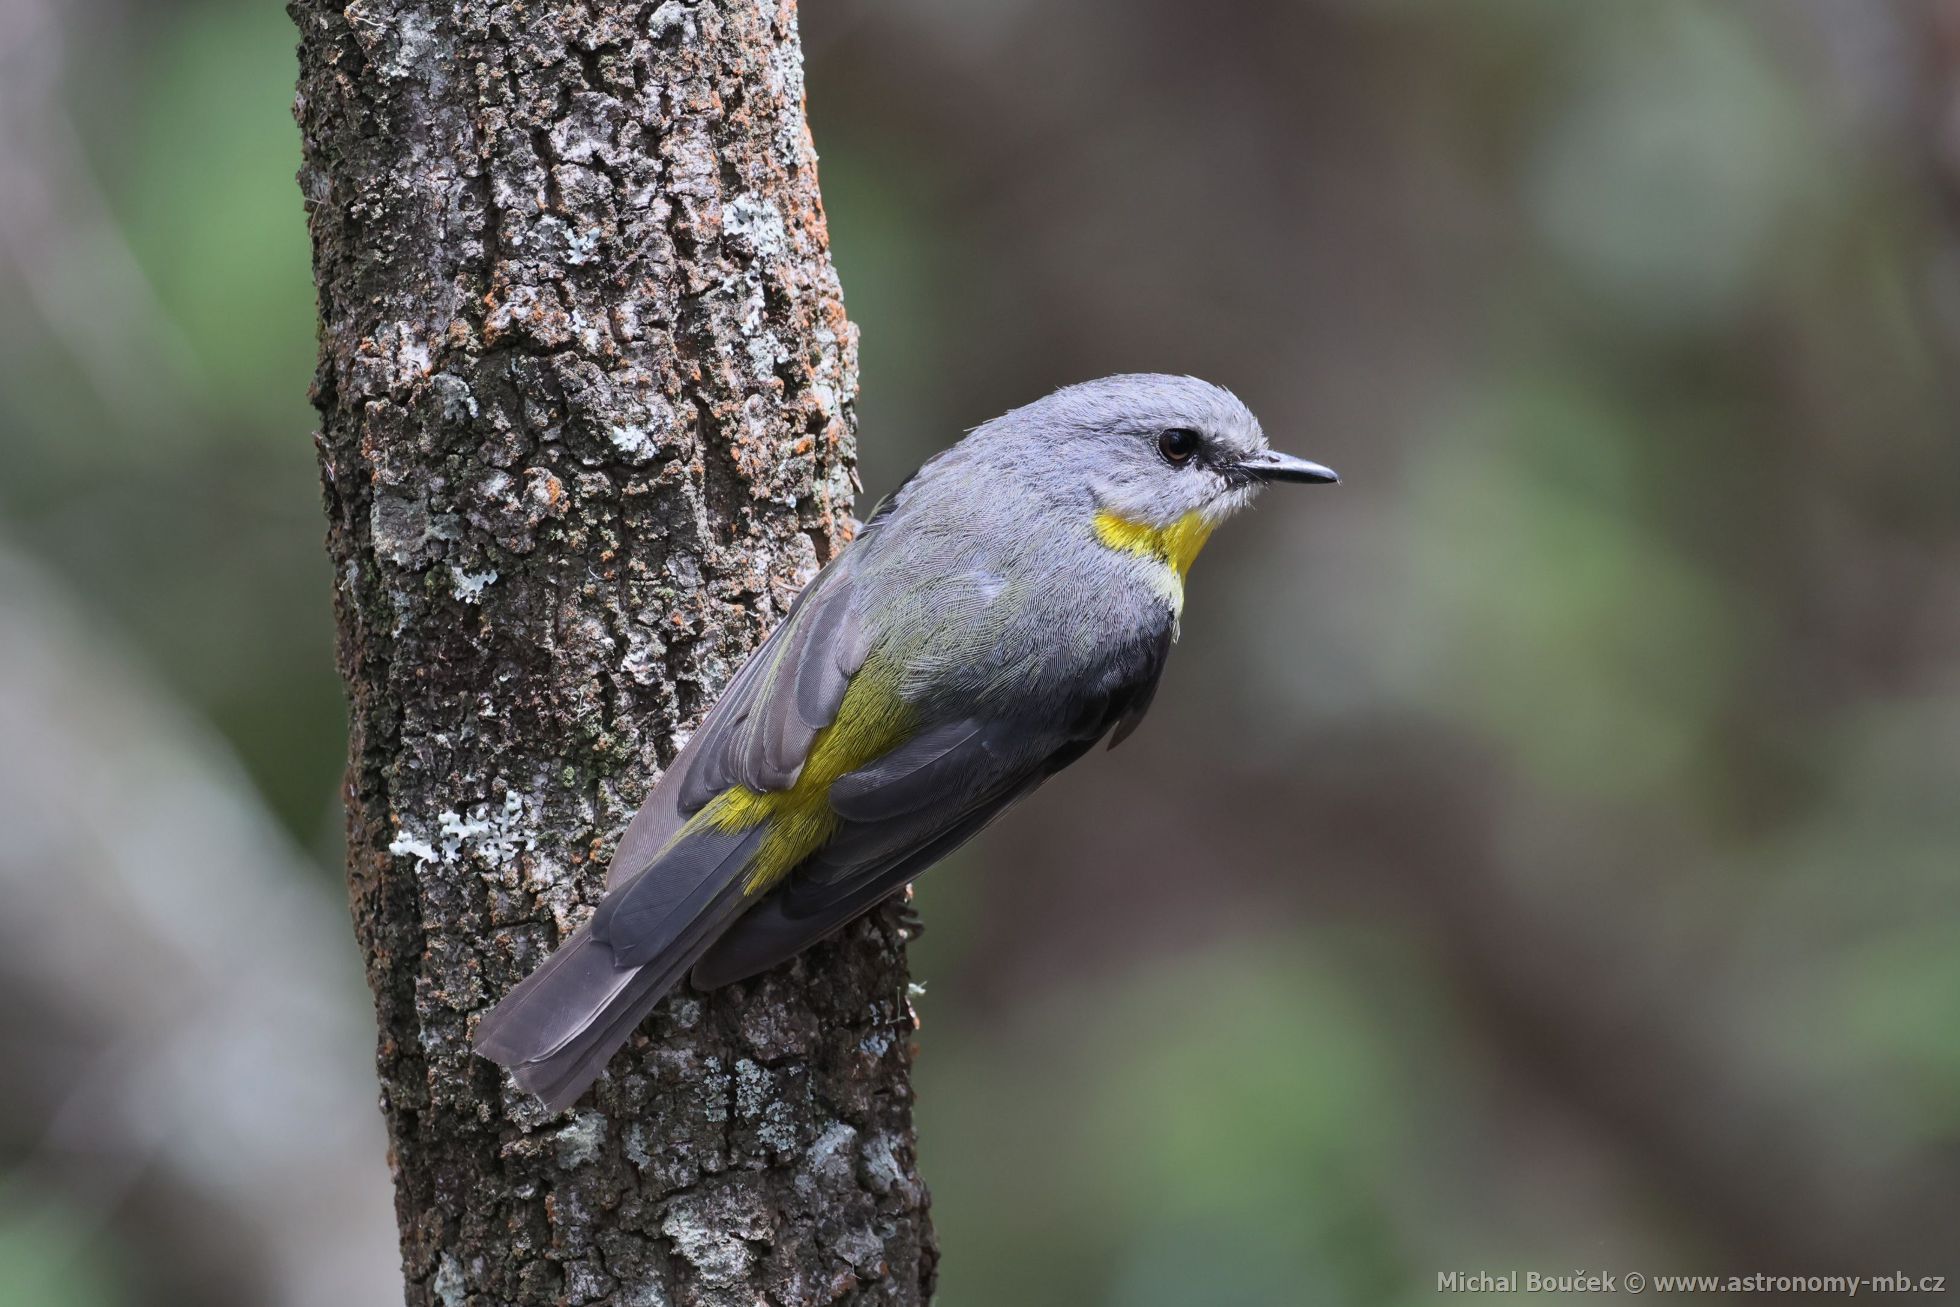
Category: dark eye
<point>1178,445</point>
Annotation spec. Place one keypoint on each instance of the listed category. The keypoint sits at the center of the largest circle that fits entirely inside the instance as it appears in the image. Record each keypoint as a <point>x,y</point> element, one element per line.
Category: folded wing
<point>675,887</point>
<point>916,804</point>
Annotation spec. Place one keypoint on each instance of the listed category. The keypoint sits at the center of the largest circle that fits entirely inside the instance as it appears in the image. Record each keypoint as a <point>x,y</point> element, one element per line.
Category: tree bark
<point>585,392</point>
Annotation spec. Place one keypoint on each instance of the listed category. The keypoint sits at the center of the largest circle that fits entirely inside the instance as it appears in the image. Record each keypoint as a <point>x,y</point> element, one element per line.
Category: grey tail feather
<point>557,1030</point>
<point>560,1077</point>
<point>560,1026</point>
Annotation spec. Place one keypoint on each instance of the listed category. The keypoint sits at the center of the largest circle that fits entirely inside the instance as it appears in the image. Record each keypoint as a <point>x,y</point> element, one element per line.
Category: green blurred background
<point>1543,851</point>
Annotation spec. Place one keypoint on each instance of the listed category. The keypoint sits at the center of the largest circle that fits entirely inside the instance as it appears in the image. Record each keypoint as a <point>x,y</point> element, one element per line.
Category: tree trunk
<point>585,391</point>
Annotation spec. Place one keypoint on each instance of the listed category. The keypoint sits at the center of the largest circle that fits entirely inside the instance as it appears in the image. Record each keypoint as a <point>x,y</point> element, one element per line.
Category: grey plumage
<point>641,919</point>
<point>1018,598</point>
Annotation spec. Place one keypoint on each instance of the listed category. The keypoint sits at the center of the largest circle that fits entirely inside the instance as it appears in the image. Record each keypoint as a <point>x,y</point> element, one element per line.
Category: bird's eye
<point>1178,445</point>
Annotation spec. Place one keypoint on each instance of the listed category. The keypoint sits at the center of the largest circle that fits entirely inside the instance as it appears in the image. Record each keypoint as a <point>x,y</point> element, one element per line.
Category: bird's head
<point>1156,450</point>
<point>1161,460</point>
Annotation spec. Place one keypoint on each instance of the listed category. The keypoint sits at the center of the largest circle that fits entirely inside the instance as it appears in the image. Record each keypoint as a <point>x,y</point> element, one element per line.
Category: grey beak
<point>1271,465</point>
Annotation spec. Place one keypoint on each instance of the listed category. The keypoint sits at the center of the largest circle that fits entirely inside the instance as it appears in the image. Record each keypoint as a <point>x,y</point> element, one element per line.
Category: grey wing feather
<point>672,895</point>
<point>923,771</point>
<point>842,883</point>
<point>912,807</point>
<point>760,729</point>
<point>822,676</point>
<point>642,918</point>
<point>563,997</point>
<point>901,814</point>
<point>758,735</point>
<point>722,751</point>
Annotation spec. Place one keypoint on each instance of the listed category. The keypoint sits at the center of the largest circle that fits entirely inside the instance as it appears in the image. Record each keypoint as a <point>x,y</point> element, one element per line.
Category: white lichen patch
<point>636,1146</point>
<point>756,1100</point>
<point>791,138</point>
<point>755,304</point>
<point>757,223</point>
<point>589,130</point>
<point>579,243</point>
<point>458,402</point>
<point>490,835</point>
<point>765,352</point>
<point>405,846</point>
<point>590,332</point>
<point>578,1142</point>
<point>752,1089</point>
<point>778,1129</point>
<point>826,396</point>
<point>415,33</point>
<point>714,1234</point>
<point>713,1090</point>
<point>413,355</point>
<point>831,1158</point>
<point>640,436</point>
<point>632,440</point>
<point>469,586</point>
<point>646,1294</point>
<point>431,1040</point>
<point>669,16</point>
<point>396,47</point>
<point>646,654</point>
<point>718,1257</point>
<point>881,1168</point>
<point>448,1284</point>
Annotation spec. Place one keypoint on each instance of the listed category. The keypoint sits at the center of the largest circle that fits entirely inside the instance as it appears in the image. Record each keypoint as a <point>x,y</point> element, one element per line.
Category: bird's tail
<point>558,1028</point>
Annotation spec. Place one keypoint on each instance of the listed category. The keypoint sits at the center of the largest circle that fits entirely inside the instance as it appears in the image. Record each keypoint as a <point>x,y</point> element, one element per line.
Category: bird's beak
<point>1271,465</point>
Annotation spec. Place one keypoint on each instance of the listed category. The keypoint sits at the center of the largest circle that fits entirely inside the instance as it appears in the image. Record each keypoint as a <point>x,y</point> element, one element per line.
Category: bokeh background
<point>1542,854</point>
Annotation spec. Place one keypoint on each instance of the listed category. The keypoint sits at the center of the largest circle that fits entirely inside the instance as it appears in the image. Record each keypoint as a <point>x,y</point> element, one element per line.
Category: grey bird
<point>1009,606</point>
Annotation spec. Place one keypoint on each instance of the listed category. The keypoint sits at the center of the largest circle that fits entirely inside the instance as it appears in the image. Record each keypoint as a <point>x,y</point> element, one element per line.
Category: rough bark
<point>585,393</point>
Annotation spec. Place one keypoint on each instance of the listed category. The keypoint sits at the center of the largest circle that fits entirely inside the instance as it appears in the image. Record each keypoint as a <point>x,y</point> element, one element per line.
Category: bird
<point>1009,606</point>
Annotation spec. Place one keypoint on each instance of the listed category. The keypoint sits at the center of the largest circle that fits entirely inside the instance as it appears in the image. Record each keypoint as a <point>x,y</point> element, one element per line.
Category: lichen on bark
<point>585,394</point>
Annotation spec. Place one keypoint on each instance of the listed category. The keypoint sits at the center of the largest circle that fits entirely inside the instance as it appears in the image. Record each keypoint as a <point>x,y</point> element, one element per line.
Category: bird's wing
<point>759,731</point>
<point>898,817</point>
<point>912,807</point>
<point>756,739</point>
<point>674,888</point>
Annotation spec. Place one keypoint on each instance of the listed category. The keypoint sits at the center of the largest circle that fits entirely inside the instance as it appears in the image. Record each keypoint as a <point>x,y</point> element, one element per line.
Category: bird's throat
<point>1175,546</point>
